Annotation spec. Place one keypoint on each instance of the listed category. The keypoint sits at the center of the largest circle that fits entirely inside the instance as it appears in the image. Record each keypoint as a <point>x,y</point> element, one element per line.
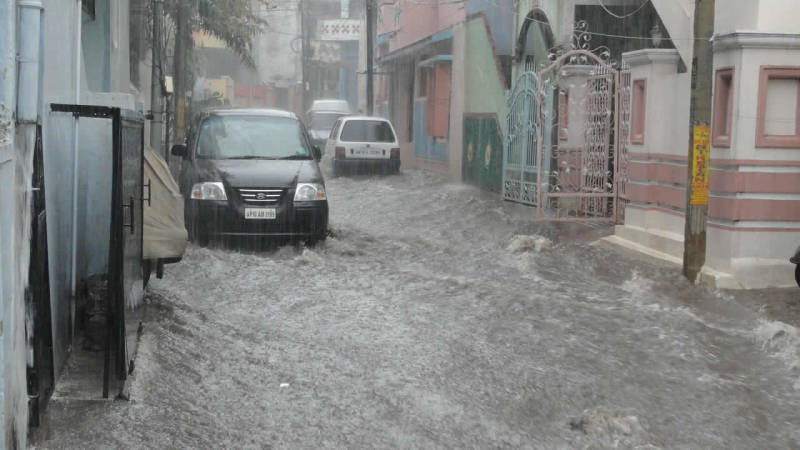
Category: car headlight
<point>213,190</point>
<point>307,192</point>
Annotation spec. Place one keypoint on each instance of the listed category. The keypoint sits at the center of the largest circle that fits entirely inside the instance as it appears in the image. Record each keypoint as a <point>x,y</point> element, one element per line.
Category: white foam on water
<point>782,341</point>
<point>610,429</point>
<point>524,242</point>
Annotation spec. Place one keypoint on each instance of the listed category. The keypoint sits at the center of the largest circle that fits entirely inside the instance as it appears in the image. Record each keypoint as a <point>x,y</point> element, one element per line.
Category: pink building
<point>754,178</point>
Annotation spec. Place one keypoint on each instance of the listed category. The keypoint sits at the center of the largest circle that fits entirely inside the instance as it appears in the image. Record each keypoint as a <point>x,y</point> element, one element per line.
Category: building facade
<point>91,52</point>
<point>754,177</point>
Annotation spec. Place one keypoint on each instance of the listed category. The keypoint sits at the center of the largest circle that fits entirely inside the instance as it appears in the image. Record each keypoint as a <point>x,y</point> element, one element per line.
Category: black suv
<point>251,173</point>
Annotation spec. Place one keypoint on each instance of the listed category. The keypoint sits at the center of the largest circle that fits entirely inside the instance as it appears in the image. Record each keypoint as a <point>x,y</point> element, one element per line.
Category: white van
<point>363,142</point>
<point>321,117</point>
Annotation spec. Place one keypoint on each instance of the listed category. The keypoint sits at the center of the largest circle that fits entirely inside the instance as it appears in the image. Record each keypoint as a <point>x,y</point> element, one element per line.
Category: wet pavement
<point>438,316</point>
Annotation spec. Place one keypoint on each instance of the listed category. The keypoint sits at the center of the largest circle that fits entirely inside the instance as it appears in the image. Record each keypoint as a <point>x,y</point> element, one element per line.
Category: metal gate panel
<point>125,287</point>
<point>125,263</point>
<point>582,184</point>
<point>623,142</point>
<point>520,175</point>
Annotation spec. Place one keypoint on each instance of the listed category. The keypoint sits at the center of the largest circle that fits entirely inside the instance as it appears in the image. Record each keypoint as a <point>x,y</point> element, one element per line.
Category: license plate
<point>259,213</point>
<point>370,152</point>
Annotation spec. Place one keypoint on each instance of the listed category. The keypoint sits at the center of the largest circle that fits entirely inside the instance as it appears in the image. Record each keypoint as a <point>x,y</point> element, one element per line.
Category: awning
<point>438,59</point>
<point>416,46</point>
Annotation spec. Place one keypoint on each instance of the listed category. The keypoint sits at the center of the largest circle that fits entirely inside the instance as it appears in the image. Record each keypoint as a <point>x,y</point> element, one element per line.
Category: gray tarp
<point>165,235</point>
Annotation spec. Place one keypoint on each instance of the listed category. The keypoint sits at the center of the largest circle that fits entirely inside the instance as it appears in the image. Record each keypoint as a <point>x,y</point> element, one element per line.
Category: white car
<point>363,142</point>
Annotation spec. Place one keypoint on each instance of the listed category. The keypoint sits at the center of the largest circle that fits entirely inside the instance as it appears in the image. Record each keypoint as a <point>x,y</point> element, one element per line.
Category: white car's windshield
<point>251,137</point>
<point>367,131</point>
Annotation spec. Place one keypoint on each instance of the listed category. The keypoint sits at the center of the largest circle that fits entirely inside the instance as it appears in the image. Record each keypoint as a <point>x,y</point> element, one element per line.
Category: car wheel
<point>147,269</point>
<point>196,236</point>
<point>797,274</point>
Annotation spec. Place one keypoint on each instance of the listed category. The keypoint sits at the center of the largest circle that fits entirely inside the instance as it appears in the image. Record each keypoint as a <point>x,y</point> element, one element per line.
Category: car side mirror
<point>179,150</point>
<point>316,152</point>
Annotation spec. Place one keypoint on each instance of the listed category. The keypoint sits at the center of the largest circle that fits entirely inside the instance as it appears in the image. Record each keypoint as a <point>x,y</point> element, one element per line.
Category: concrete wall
<point>60,59</point>
<point>95,41</point>
<point>501,22</point>
<point>754,220</point>
<point>754,187</point>
<point>654,218</point>
<point>13,401</point>
<point>410,22</point>
<point>776,16</point>
<point>481,149</point>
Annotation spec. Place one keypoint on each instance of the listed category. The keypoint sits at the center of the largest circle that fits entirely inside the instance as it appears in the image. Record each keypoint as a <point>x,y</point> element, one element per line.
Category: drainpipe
<point>29,69</point>
<point>30,26</point>
<point>75,142</point>
<point>7,195</point>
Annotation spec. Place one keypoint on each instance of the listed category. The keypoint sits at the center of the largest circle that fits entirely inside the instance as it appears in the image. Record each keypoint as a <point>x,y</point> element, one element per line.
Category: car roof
<point>266,112</point>
<point>330,105</point>
<point>382,119</point>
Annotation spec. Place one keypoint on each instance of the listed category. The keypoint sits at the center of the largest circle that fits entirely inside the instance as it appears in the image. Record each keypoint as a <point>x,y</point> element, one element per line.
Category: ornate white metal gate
<point>520,173</point>
<point>584,139</point>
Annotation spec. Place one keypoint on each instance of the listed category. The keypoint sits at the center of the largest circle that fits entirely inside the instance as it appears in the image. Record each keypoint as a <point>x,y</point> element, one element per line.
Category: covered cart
<point>164,233</point>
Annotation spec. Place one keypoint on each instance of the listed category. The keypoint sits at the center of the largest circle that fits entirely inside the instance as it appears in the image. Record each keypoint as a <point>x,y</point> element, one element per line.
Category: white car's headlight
<point>213,190</point>
<point>307,192</point>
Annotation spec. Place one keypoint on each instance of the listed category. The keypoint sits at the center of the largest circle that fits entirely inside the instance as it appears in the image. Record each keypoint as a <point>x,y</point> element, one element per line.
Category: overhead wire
<point>625,16</point>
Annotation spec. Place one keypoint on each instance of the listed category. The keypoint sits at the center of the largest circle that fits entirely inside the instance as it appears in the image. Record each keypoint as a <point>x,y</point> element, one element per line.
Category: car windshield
<point>323,121</point>
<point>367,131</point>
<point>251,137</point>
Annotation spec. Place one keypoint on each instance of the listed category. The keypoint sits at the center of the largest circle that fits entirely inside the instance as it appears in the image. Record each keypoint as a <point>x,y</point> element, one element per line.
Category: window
<point>335,129</point>
<point>563,114</point>
<point>89,8</point>
<point>424,80</point>
<point>638,110</point>
<point>367,131</point>
<point>723,108</point>
<point>778,119</point>
<point>438,102</point>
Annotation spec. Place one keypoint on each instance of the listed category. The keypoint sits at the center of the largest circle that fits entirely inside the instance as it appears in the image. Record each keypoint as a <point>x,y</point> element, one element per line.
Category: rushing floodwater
<point>439,316</point>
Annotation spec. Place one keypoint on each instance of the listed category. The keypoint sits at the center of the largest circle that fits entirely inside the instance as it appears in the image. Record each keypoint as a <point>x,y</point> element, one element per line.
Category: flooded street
<point>437,315</point>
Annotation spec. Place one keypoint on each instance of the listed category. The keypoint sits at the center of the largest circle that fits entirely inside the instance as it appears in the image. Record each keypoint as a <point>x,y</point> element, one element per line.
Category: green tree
<point>235,22</point>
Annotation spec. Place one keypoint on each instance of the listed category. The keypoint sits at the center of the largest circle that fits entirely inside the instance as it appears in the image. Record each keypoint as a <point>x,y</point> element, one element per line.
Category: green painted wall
<point>482,165</point>
<point>484,106</point>
<point>484,91</point>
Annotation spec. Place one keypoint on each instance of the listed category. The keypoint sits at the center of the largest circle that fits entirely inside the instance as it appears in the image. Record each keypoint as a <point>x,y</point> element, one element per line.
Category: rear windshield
<point>323,121</point>
<point>367,131</point>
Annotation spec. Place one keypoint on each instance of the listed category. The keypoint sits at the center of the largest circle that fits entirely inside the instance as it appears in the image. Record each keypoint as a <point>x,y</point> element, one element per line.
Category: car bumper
<point>366,163</point>
<point>295,220</point>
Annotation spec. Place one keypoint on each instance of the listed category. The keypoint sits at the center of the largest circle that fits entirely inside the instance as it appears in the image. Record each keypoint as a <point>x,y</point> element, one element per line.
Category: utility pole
<point>305,53</point>
<point>155,80</point>
<point>370,51</point>
<point>180,70</point>
<point>694,241</point>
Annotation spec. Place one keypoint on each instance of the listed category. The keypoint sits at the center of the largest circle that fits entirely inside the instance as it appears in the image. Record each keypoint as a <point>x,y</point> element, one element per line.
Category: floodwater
<point>438,316</point>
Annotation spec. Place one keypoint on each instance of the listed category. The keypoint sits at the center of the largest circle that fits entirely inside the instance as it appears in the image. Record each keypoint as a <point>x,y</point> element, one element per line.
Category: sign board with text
<point>339,30</point>
<point>700,162</point>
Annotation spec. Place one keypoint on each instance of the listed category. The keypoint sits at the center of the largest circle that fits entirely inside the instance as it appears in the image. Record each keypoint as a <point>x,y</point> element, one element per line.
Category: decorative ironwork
<point>581,40</point>
<point>519,147</point>
<point>578,172</point>
<point>624,127</point>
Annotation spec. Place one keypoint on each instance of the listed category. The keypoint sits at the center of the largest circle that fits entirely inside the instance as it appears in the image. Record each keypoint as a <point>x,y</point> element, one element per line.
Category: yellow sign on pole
<point>700,161</point>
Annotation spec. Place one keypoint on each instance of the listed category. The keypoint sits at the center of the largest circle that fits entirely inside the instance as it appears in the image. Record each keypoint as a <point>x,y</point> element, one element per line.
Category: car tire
<point>197,236</point>
<point>147,269</point>
<point>797,274</point>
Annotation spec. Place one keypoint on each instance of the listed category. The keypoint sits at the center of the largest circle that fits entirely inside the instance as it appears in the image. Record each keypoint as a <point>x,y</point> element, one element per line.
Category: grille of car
<point>258,196</point>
